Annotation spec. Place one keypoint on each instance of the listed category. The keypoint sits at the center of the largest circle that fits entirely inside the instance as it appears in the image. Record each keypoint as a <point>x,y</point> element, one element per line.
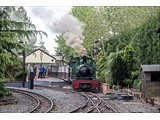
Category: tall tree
<point>42,46</point>
<point>117,70</point>
<point>11,32</point>
<point>129,61</point>
<point>63,49</point>
<point>94,29</point>
<point>113,28</point>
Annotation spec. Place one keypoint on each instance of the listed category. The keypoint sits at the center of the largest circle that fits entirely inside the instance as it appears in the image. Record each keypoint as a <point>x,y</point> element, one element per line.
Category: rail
<point>31,94</point>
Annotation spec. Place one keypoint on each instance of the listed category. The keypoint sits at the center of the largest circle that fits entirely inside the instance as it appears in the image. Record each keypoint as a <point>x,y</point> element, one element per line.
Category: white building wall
<point>39,57</point>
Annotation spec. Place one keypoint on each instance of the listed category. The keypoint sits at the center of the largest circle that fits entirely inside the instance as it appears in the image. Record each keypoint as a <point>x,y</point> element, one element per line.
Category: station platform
<point>49,79</point>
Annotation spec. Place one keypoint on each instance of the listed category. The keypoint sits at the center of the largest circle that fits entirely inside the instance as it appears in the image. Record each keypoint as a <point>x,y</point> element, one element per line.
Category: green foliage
<point>41,46</point>
<point>117,70</point>
<point>63,49</point>
<point>127,81</point>
<point>134,30</point>
<point>137,84</point>
<point>101,68</point>
<point>146,42</point>
<point>3,90</point>
<point>12,30</point>
<point>94,28</point>
<point>14,27</point>
<point>128,60</point>
<point>135,74</point>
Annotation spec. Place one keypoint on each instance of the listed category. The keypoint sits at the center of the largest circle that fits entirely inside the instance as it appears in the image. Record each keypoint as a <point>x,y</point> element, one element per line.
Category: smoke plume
<point>72,30</point>
<point>68,25</point>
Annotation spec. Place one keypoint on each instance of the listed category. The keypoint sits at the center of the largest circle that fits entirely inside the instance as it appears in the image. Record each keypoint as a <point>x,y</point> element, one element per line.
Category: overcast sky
<point>42,17</point>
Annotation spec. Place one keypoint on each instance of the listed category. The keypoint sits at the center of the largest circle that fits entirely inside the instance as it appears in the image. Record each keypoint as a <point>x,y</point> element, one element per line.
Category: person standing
<point>40,71</point>
<point>44,71</point>
<point>35,71</point>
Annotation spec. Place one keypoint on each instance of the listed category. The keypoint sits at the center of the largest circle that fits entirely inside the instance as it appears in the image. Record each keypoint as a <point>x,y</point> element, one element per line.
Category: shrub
<point>137,84</point>
<point>4,91</point>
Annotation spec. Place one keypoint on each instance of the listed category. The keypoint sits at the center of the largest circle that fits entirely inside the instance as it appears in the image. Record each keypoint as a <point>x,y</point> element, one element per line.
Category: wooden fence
<point>138,96</point>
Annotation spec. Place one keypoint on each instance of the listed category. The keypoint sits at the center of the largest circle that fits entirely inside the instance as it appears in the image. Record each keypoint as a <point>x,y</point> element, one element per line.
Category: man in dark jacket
<point>43,72</point>
<point>35,70</point>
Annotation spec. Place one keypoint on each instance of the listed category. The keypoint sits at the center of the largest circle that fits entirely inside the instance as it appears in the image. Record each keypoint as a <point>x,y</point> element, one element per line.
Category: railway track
<point>94,104</point>
<point>43,103</point>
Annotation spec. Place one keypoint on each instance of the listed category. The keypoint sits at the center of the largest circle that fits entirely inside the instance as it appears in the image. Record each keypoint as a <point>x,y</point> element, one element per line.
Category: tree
<point>41,46</point>
<point>115,28</point>
<point>117,70</point>
<point>63,49</point>
<point>94,27</point>
<point>128,60</point>
<point>11,32</point>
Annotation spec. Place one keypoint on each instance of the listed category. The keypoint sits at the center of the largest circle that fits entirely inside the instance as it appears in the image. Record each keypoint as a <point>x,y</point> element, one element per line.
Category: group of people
<point>41,71</point>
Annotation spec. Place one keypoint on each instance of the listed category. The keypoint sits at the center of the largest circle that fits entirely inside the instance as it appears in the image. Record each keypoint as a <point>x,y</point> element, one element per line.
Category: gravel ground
<point>65,100</point>
<point>24,104</point>
<point>133,106</point>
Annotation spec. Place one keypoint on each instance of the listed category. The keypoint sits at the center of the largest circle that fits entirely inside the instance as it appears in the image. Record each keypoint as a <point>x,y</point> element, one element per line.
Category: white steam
<point>72,30</point>
<point>68,25</point>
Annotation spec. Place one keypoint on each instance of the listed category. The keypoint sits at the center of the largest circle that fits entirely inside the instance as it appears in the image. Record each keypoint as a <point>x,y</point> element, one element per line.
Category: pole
<point>31,78</point>
<point>24,77</point>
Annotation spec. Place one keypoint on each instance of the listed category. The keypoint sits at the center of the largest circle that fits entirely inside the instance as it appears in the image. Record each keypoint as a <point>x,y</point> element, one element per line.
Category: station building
<point>56,66</point>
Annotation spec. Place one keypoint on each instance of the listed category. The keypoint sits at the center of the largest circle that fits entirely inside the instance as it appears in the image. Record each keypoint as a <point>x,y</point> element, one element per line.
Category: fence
<point>138,96</point>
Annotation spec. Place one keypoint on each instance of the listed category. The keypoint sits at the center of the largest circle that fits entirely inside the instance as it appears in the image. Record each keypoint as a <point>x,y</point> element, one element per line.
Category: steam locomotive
<point>83,73</point>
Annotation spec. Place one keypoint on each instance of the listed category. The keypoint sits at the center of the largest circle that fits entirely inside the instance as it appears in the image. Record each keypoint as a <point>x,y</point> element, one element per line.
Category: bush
<point>137,84</point>
<point>135,74</point>
<point>4,91</point>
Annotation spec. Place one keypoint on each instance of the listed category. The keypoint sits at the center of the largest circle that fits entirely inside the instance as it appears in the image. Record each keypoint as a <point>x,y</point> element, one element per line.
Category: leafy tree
<point>128,59</point>
<point>117,70</point>
<point>41,46</point>
<point>134,30</point>
<point>94,29</point>
<point>146,42</point>
<point>137,83</point>
<point>63,49</point>
<point>11,32</point>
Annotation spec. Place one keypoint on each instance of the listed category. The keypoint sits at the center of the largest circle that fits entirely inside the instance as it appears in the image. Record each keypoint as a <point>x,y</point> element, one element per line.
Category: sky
<point>42,17</point>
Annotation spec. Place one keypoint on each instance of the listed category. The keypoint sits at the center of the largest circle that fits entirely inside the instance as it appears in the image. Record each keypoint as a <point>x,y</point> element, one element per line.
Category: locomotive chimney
<point>84,59</point>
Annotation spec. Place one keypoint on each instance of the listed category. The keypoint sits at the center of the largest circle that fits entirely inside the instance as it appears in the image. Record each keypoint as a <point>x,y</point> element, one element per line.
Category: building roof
<point>59,58</point>
<point>151,68</point>
<point>42,51</point>
<point>40,56</point>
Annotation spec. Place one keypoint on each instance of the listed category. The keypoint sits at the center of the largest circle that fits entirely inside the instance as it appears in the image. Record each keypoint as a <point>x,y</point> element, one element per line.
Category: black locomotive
<point>83,73</point>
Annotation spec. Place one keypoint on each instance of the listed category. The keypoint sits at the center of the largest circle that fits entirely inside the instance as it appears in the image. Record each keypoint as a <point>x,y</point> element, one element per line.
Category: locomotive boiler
<point>83,73</point>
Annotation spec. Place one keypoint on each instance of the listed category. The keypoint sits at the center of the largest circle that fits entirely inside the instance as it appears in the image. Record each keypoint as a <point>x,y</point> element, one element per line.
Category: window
<point>155,76</point>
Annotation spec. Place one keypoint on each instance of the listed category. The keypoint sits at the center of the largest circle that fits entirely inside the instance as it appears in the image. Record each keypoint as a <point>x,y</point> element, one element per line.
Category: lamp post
<point>24,77</point>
